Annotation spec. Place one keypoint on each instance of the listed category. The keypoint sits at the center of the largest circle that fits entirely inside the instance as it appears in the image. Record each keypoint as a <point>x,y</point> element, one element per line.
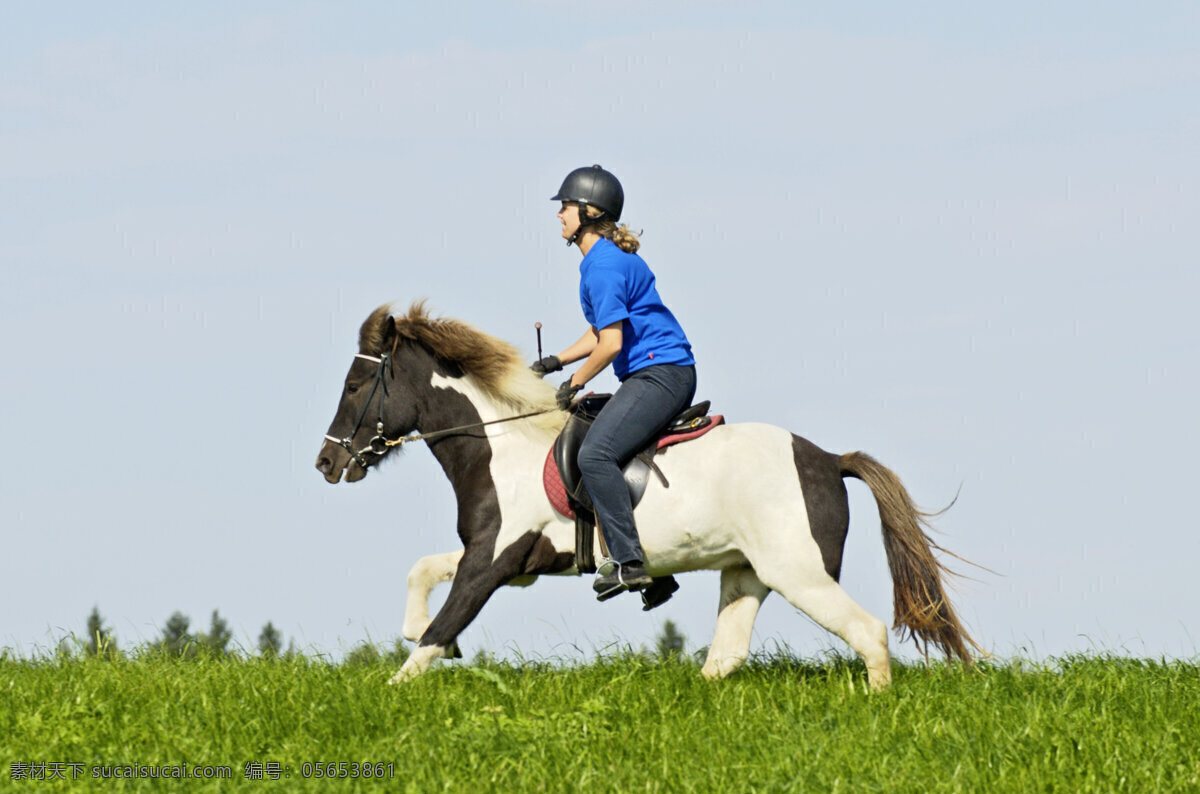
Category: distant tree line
<point>177,640</point>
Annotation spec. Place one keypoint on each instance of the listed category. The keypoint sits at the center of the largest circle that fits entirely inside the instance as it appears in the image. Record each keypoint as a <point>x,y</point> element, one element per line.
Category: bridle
<point>379,444</point>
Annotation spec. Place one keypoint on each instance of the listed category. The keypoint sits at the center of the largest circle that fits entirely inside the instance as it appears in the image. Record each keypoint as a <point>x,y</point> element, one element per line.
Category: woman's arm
<point>582,348</point>
<point>604,348</point>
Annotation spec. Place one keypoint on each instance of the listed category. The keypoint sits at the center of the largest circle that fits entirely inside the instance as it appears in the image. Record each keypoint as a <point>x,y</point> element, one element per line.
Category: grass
<point>626,723</point>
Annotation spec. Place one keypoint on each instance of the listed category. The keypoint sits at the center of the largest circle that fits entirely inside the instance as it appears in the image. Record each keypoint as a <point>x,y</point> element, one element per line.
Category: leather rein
<point>379,444</point>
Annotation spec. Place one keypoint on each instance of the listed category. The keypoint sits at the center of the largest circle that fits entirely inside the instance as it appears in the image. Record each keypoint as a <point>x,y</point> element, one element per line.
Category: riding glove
<point>566,393</point>
<point>545,366</point>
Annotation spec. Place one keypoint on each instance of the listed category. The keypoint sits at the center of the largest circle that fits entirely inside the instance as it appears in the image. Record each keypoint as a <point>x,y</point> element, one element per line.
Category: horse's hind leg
<point>742,593</point>
<point>426,574</point>
<point>832,607</point>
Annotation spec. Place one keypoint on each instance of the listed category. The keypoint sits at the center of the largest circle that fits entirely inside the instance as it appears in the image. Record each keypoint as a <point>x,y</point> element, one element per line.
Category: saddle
<point>563,480</point>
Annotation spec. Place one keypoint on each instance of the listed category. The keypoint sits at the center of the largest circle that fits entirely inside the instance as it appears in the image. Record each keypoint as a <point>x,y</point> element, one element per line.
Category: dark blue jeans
<point>646,401</point>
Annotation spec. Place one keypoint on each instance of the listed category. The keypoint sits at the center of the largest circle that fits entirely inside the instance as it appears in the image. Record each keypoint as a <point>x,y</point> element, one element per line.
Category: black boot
<point>659,592</point>
<point>624,576</point>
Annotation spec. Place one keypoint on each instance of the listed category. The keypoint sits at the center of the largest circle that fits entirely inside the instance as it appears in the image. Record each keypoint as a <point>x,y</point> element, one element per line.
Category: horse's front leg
<point>427,574</point>
<point>477,577</point>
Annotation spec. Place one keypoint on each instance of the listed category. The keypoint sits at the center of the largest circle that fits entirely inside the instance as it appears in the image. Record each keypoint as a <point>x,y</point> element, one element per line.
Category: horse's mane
<point>496,366</point>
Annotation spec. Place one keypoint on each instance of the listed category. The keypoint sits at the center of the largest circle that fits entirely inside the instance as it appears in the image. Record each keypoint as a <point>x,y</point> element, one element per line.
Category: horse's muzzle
<point>333,461</point>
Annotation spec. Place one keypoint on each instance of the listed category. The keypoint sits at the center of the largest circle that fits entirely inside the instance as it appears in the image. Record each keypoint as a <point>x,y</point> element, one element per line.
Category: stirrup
<point>606,567</point>
<point>612,592</point>
<point>619,584</point>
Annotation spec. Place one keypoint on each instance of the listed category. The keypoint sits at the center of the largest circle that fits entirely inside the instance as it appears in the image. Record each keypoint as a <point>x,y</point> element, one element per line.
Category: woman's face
<point>568,216</point>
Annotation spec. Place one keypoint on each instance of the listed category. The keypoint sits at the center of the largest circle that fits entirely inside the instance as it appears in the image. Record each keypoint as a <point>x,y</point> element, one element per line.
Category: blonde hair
<point>622,236</point>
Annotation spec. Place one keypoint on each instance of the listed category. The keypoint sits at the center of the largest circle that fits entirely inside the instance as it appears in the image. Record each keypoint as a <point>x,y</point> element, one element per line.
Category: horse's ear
<point>378,332</point>
<point>388,333</point>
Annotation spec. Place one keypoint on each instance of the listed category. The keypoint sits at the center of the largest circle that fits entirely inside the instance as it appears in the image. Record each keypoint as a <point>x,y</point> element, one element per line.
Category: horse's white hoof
<point>715,670</point>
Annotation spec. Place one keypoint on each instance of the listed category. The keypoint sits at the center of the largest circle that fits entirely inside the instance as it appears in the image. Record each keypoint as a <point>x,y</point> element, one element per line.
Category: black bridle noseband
<point>379,445</point>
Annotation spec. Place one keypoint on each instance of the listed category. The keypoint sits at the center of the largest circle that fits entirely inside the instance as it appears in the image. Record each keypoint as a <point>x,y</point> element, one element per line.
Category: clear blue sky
<point>963,242</point>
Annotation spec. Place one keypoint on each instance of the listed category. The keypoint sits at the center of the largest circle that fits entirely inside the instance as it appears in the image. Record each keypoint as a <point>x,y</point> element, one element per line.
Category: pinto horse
<point>766,508</point>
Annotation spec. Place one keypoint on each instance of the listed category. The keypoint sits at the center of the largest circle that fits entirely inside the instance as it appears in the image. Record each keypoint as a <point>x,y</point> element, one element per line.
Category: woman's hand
<point>566,393</point>
<point>543,367</point>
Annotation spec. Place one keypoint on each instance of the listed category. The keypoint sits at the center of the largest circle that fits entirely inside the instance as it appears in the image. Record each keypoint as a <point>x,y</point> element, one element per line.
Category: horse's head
<point>390,389</point>
<point>378,402</point>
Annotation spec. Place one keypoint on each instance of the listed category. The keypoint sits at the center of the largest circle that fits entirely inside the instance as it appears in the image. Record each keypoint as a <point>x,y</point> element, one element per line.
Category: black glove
<point>566,393</point>
<point>545,366</point>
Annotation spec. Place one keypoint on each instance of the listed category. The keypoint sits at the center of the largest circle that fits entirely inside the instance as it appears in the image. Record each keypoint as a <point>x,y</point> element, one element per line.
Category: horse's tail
<point>922,609</point>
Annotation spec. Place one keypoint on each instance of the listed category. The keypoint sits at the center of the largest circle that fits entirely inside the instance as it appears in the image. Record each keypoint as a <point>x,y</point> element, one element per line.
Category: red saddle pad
<point>552,480</point>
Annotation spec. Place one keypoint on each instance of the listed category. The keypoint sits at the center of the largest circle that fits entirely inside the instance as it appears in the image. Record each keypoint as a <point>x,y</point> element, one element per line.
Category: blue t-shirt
<point>615,286</point>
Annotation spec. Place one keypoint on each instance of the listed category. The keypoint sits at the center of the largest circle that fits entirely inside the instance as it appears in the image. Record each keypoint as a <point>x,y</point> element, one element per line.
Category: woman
<point>631,329</point>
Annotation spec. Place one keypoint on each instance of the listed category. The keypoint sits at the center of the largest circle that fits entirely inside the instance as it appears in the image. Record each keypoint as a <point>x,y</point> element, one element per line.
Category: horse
<point>765,507</point>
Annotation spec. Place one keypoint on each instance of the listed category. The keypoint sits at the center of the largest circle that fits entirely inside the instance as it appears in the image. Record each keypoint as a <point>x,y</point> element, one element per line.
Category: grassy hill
<point>626,723</point>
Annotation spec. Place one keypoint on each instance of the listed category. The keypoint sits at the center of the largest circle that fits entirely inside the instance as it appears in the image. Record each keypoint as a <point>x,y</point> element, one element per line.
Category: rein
<point>450,431</point>
<point>379,445</point>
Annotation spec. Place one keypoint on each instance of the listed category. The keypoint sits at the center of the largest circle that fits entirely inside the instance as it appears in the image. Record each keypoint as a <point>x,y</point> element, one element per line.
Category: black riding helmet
<point>595,187</point>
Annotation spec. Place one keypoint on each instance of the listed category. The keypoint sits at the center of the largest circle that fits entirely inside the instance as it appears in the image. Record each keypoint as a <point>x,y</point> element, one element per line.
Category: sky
<point>963,242</point>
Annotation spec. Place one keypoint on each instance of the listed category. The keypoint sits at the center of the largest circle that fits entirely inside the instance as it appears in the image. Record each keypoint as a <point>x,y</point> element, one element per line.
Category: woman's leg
<point>642,406</point>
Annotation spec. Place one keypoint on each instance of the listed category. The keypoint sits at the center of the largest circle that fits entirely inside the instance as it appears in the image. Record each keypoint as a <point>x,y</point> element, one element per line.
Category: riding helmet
<point>595,187</point>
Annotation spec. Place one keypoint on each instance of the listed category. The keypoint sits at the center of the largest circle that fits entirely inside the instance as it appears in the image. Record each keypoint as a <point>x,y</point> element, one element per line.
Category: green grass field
<point>1101,724</point>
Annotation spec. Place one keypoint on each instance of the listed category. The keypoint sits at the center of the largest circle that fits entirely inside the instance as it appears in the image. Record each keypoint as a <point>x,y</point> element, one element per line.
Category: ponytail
<point>623,237</point>
<point>626,239</point>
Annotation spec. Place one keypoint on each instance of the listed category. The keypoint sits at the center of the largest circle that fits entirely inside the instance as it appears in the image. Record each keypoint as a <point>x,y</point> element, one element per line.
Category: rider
<point>630,328</point>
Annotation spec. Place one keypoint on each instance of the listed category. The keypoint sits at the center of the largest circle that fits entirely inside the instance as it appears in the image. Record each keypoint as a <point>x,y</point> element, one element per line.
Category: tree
<point>670,641</point>
<point>270,641</point>
<point>367,653</point>
<point>100,641</point>
<point>176,640</point>
<point>216,639</point>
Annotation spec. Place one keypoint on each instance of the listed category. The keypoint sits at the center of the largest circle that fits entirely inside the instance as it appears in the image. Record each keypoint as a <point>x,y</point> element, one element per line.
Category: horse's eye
<point>351,388</point>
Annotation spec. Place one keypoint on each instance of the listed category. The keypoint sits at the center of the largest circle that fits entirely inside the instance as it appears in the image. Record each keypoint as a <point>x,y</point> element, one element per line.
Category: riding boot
<point>621,578</point>
<point>659,592</point>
